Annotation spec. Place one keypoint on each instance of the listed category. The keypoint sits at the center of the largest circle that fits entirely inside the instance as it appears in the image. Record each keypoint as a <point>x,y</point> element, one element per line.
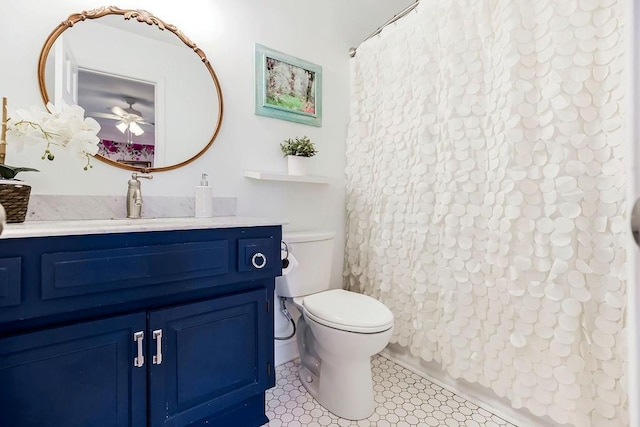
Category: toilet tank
<point>314,253</point>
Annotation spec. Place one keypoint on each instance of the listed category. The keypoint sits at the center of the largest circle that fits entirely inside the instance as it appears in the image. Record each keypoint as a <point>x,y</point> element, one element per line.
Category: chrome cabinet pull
<point>138,362</point>
<point>259,260</point>
<point>157,335</point>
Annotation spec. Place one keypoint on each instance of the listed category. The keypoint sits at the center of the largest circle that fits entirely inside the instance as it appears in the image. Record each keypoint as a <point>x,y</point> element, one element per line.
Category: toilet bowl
<point>342,342</point>
<point>338,330</point>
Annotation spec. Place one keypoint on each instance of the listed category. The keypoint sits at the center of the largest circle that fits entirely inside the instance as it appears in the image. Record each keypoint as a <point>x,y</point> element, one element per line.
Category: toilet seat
<point>348,311</point>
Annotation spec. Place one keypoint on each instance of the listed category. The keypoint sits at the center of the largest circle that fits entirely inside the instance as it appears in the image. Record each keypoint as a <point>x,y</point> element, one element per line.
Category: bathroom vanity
<point>137,322</point>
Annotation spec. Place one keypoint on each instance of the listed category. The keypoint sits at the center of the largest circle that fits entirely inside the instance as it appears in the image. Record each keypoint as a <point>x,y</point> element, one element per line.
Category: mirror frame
<point>141,16</point>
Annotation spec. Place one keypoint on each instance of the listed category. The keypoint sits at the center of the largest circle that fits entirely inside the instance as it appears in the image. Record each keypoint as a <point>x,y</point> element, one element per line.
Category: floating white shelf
<point>272,176</point>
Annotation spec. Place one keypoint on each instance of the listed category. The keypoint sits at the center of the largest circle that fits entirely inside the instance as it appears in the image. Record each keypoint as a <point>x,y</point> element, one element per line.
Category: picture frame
<point>287,88</point>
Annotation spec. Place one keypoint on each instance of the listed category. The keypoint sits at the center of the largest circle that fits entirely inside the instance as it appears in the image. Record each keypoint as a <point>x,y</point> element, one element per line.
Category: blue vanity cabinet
<point>77,375</point>
<point>143,329</point>
<point>213,358</point>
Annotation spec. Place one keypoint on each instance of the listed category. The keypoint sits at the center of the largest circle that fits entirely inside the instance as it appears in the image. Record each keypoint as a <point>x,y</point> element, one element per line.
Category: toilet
<point>338,330</point>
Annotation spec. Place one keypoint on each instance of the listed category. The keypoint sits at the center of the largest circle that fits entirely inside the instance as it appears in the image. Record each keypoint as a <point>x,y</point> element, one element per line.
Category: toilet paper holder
<point>285,260</point>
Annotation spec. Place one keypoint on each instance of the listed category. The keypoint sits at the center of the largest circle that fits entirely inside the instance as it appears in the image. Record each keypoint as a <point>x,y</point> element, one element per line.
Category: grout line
<point>515,420</point>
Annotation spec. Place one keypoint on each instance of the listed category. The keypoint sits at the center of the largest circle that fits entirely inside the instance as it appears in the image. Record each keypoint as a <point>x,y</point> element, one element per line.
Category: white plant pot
<point>298,165</point>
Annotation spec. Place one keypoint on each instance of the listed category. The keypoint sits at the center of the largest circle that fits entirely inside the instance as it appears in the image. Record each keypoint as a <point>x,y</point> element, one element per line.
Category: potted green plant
<point>298,151</point>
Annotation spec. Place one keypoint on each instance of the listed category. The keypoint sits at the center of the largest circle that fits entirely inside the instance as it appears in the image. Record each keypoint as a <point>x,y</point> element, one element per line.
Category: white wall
<point>317,31</point>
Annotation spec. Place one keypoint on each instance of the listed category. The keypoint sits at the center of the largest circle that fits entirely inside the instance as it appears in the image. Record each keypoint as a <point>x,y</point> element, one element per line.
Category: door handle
<point>157,336</point>
<point>635,222</point>
<point>138,362</point>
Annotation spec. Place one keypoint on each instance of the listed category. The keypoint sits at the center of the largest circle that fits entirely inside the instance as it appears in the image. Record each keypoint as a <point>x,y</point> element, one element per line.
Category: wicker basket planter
<point>14,196</point>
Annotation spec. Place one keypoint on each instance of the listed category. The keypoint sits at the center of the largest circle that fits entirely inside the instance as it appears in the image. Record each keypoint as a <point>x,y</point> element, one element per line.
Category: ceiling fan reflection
<point>129,120</point>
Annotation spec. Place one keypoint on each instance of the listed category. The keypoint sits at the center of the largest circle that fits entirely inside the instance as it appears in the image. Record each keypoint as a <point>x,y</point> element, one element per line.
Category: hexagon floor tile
<point>404,399</point>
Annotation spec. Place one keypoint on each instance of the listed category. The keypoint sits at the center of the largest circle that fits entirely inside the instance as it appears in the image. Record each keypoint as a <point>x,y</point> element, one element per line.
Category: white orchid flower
<point>63,125</point>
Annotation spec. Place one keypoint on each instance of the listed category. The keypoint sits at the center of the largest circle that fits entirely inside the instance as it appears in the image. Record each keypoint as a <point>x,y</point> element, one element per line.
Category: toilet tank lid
<point>307,236</point>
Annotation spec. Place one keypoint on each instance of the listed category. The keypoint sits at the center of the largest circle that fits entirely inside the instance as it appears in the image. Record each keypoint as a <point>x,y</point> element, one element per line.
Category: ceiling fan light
<point>136,129</point>
<point>122,127</point>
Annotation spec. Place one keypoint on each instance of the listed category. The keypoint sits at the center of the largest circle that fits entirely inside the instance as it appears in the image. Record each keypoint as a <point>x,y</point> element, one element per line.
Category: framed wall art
<point>287,88</point>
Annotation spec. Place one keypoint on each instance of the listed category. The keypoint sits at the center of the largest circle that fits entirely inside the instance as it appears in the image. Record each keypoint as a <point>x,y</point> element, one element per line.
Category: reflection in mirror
<point>125,109</point>
<point>158,104</point>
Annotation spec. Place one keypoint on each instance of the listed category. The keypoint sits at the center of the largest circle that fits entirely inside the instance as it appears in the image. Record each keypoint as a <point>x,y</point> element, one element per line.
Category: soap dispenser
<point>204,199</point>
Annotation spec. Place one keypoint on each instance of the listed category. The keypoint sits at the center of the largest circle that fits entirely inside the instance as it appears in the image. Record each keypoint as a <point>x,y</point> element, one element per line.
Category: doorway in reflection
<point>125,109</point>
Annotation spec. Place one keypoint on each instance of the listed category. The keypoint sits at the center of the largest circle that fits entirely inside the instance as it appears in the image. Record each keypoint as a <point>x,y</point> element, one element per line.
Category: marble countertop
<point>125,225</point>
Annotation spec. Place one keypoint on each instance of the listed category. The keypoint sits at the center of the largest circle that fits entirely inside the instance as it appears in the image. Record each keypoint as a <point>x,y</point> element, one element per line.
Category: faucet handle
<point>137,175</point>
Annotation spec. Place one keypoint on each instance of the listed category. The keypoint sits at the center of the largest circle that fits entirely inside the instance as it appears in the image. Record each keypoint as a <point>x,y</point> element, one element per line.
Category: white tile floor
<point>404,399</point>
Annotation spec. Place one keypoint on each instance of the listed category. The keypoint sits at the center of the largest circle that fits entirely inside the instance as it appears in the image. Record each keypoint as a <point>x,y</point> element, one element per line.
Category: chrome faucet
<point>134,195</point>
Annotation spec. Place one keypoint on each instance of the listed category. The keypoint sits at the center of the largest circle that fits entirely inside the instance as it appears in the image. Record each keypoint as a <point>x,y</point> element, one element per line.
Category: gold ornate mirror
<point>159,105</point>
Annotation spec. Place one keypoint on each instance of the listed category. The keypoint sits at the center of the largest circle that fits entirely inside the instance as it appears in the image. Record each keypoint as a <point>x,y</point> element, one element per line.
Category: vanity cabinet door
<point>215,354</point>
<point>79,375</point>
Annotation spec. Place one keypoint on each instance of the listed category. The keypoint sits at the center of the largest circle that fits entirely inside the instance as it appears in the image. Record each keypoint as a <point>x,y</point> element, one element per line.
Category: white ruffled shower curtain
<point>486,196</point>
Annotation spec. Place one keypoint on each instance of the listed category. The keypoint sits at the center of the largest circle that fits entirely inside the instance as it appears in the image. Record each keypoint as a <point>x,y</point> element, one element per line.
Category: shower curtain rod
<point>405,11</point>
